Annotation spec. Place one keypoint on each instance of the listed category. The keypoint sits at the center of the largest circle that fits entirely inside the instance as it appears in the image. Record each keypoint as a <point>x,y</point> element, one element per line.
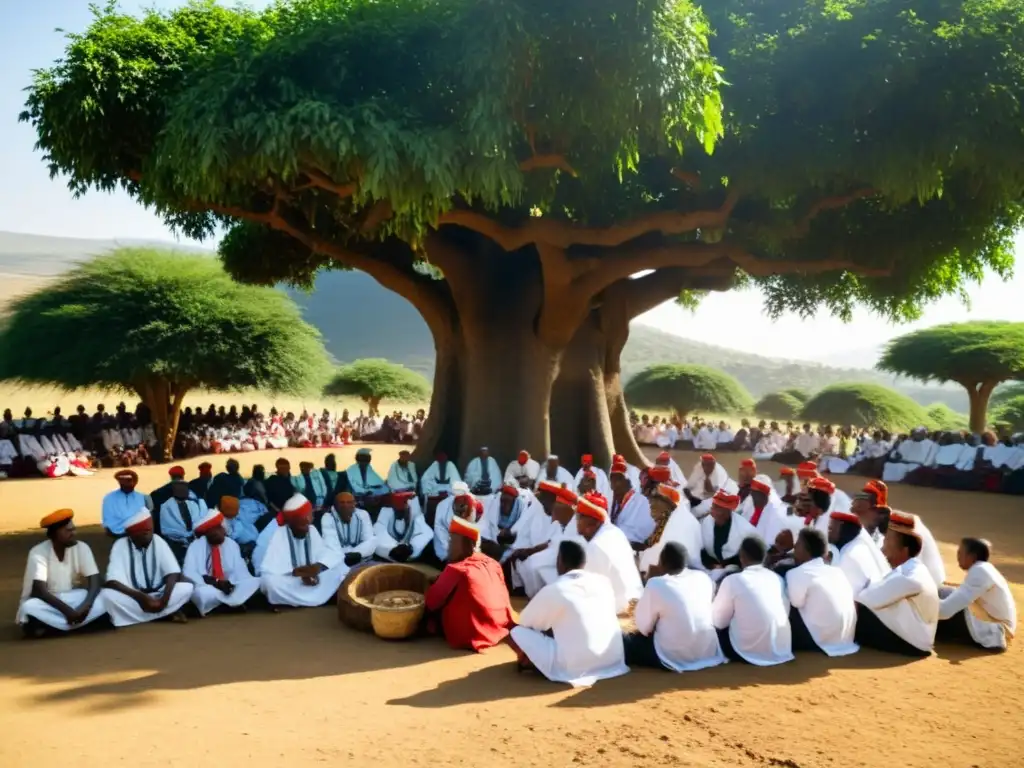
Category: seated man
<point>523,471</point>
<point>856,555</point>
<point>569,631</point>
<point>163,493</point>
<point>61,588</point>
<point>468,603</point>
<point>240,516</point>
<point>981,611</point>
<point>707,478</point>
<point>178,515</point>
<point>609,552</point>
<point>460,504</point>
<point>554,472</point>
<point>504,517</point>
<point>368,487</point>
<point>674,627</point>
<point>751,612</point>
<point>400,533</point>
<point>673,523</point>
<point>601,484</point>
<point>348,532</point>
<point>723,531</point>
<point>900,613</point>
<point>763,509</point>
<point>483,475</point>
<point>788,485</point>
<point>123,503</point>
<point>437,484</point>
<point>632,472</point>
<point>630,510</point>
<point>298,570</point>
<point>914,452</point>
<point>535,563</point>
<point>214,565</point>
<point>312,484</point>
<point>823,616</point>
<point>402,474</point>
<point>200,486</point>
<point>144,581</point>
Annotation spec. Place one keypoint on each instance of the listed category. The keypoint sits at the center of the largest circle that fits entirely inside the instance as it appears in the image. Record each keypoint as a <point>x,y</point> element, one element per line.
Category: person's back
<point>823,596</point>
<point>477,613</point>
<point>684,633</point>
<point>610,554</point>
<point>751,605</point>
<point>586,629</point>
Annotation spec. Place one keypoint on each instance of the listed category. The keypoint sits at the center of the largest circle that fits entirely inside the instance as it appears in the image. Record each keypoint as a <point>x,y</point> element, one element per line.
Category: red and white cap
<point>212,519</point>
<point>548,487</point>
<point>464,528</point>
<point>759,484</point>
<point>845,517</point>
<point>297,506</point>
<point>140,521</point>
<point>669,493</point>
<point>903,522</point>
<point>807,469</point>
<point>593,505</point>
<point>566,495</point>
<point>822,484</point>
<point>725,500</point>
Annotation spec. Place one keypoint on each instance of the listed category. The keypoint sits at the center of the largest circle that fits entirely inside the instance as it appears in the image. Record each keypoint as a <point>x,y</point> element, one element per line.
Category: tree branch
<point>547,161</point>
<point>689,178</point>
<point>803,225</point>
<point>321,180</point>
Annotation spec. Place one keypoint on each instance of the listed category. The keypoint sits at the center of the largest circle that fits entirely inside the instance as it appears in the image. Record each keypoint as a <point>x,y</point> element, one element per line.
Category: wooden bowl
<point>396,614</point>
<point>355,597</point>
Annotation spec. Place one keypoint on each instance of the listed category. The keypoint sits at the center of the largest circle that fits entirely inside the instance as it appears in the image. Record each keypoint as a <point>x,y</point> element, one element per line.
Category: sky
<point>31,202</point>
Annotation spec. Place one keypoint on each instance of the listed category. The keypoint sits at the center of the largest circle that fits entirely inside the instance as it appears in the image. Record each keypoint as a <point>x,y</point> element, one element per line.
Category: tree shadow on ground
<point>501,681</point>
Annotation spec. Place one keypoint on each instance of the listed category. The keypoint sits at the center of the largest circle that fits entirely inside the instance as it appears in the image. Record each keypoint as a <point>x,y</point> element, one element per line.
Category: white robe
<point>754,607</point>
<point>907,602</point>
<point>431,483</point>
<point>930,555</point>
<point>539,569</point>
<point>602,485</point>
<point>862,562</point>
<point>772,520</point>
<point>634,519</point>
<point>695,485</point>
<point>706,440</point>
<point>64,579</point>
<point>356,536</point>
<point>738,531</point>
<point>908,456</point>
<point>562,476</point>
<point>515,472</point>
<point>824,598</point>
<point>987,603</point>
<point>633,474</point>
<point>277,581</point>
<point>490,523</point>
<point>158,561</point>
<point>475,473</point>
<point>610,554</point>
<point>197,564</point>
<point>402,478</point>
<point>388,534</point>
<point>677,609</point>
<point>374,483</point>
<point>586,643</point>
<point>682,528</point>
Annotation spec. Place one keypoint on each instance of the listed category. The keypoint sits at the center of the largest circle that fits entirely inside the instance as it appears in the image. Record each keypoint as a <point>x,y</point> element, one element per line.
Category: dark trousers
<point>954,629</point>
<point>640,651</point>
<point>802,640</point>
<point>872,633</point>
<point>727,649</point>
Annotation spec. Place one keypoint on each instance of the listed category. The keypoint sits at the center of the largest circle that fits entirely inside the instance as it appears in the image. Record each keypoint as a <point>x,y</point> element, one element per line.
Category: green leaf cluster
<point>687,389</point>
<point>375,380</point>
<point>864,405</point>
<point>942,417</point>
<point>1011,413</point>
<point>974,352</point>
<point>779,405</point>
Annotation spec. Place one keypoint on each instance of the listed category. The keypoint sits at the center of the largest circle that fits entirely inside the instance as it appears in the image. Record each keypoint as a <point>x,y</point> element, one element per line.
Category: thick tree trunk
<point>979,395</point>
<point>164,402</point>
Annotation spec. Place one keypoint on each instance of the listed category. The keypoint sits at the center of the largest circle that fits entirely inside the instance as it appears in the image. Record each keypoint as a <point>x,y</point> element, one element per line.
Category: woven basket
<point>399,621</point>
<point>355,598</point>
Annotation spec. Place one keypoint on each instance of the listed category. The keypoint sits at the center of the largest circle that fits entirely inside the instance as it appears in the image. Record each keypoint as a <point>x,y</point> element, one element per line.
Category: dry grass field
<point>298,688</point>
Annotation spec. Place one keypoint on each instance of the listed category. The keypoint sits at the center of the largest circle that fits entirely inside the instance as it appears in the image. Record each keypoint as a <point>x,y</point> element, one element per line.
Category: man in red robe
<point>469,603</point>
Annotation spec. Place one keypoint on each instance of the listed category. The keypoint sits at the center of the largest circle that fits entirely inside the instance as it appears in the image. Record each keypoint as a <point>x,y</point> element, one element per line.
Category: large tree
<point>509,166</point>
<point>373,380</point>
<point>686,389</point>
<point>159,324</point>
<point>861,404</point>
<point>978,356</point>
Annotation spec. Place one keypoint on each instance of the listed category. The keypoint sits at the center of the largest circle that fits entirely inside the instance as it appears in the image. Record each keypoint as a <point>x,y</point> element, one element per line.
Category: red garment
<point>473,603</point>
<point>756,517</point>
<point>216,566</point>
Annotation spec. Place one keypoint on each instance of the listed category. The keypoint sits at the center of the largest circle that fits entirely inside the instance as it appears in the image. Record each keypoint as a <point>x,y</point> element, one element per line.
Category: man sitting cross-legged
<point>298,570</point>
<point>401,534</point>
<point>981,611</point>
<point>675,630</point>
<point>347,531</point>
<point>569,631</point>
<point>468,603</point>
<point>823,616</point>
<point>214,565</point>
<point>144,581</point>
<point>535,565</point>
<point>608,550</point>
<point>52,595</point>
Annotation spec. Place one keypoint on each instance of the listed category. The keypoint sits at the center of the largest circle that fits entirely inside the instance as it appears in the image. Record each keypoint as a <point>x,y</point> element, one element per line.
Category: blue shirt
<point>242,528</point>
<point>118,507</point>
<point>171,524</point>
<point>374,484</point>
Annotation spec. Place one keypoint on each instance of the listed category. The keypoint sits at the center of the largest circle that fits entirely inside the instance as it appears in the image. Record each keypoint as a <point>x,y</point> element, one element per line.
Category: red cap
<point>663,458</point>
<point>659,474</point>
<point>587,459</point>
<point>749,463</point>
<point>464,528</point>
<point>209,524</point>
<point>807,469</point>
<point>619,468</point>
<point>549,487</point>
<point>846,517</point>
<point>566,495</point>
<point>510,490</point>
<point>176,471</point>
<point>822,484</point>
<point>725,500</point>
<point>707,457</point>
<point>787,471</point>
<point>669,493</point>
<point>593,505</point>
<point>757,485</point>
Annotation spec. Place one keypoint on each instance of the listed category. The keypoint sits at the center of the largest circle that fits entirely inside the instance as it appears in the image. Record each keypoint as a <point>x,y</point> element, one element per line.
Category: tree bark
<point>373,405</point>
<point>164,401</point>
<point>979,395</point>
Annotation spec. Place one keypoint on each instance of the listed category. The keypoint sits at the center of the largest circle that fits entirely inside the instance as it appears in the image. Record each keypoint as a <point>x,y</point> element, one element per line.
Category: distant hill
<point>359,318</point>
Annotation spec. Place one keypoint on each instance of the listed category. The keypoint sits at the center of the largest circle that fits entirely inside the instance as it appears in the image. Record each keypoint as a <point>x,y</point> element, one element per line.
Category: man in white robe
<point>363,478</point>
<point>763,509</point>
<point>980,611</point>
<point>900,614</point>
<point>856,556</point>
<point>214,566</point>
<point>402,474</point>
<point>569,631</point>
<point>144,581</point>
<point>436,483</point>
<point>674,625</point>
<point>348,531</point>
<point>629,510</point>
<point>916,451</point>
<point>751,611</point>
<point>930,555</point>
<point>401,534</point>
<point>313,485</point>
<point>554,472</point>
<point>706,439</point>
<point>632,471</point>
<point>665,459</point>
<point>823,615</point>
<point>673,523</point>
<point>788,485</point>
<point>608,550</point>
<point>806,442</point>
<point>178,517</point>
<point>483,475</point>
<point>298,569</point>
<point>534,564</point>
<point>523,471</point>
<point>707,478</point>
<point>61,587</point>
<point>723,531</point>
<point>601,484</point>
<point>461,503</point>
<point>505,515</point>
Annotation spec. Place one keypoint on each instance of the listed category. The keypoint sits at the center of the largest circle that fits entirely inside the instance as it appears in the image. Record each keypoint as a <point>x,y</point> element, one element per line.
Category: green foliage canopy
<point>850,162</point>
<point>373,380</point>
<point>864,405</point>
<point>1006,393</point>
<point>967,353</point>
<point>799,394</point>
<point>779,405</point>
<point>941,416</point>
<point>687,389</point>
<point>1011,412</point>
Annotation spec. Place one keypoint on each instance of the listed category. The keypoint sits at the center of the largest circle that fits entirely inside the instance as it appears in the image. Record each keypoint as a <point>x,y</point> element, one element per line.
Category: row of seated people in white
<point>921,451</point>
<point>129,437</point>
<point>55,455</point>
<point>806,442</point>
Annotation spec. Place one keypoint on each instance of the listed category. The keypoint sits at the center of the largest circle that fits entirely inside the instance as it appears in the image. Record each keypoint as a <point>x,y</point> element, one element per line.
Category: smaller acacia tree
<point>864,405</point>
<point>687,388</point>
<point>779,405</point>
<point>373,380</point>
<point>159,324</point>
<point>799,394</point>
<point>1011,412</point>
<point>978,356</point>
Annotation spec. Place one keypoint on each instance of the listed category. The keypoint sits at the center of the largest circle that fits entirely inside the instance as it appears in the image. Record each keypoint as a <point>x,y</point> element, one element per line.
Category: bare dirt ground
<point>296,688</point>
